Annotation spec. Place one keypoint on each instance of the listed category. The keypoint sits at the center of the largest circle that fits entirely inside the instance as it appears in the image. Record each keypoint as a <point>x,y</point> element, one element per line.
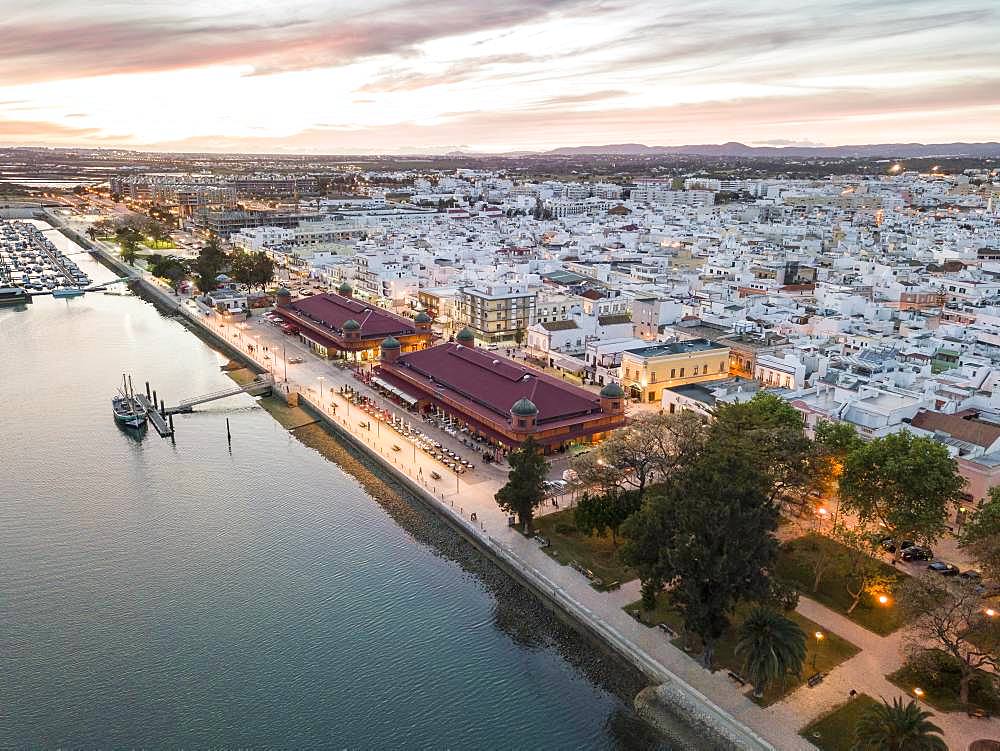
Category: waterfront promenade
<point>318,381</point>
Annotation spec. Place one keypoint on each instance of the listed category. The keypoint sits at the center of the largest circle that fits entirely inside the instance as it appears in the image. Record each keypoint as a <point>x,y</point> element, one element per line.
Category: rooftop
<point>331,312</point>
<point>675,348</point>
<point>494,383</point>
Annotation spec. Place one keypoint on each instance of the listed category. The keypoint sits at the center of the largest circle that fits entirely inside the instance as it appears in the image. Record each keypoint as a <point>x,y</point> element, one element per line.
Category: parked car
<point>945,569</point>
<point>917,553</point>
<point>971,575</point>
<point>889,545</point>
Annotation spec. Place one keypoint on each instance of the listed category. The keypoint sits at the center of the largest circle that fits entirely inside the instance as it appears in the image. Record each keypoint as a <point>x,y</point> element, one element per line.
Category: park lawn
<point>567,544</point>
<point>793,566</point>
<point>835,731</point>
<point>159,244</point>
<point>821,657</point>
<point>944,697</point>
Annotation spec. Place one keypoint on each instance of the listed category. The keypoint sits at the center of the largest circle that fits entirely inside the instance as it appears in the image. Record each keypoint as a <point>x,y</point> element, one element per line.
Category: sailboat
<point>128,412</point>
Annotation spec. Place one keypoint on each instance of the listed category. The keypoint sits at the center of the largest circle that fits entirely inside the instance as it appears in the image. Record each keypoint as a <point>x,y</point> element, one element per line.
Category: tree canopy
<point>898,727</point>
<point>523,492</point>
<point>903,482</point>
<point>981,535</point>
<point>771,647</point>
<point>211,261</point>
<point>709,534</point>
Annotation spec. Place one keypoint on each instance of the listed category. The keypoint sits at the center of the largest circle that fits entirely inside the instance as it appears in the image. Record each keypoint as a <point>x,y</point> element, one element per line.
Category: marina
<point>30,262</point>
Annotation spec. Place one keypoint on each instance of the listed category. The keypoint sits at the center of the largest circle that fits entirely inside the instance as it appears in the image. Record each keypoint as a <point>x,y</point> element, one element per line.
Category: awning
<point>393,390</point>
<point>568,363</point>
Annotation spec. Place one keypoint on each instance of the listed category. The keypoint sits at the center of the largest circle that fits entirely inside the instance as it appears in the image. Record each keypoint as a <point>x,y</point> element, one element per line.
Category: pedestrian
<point>853,693</point>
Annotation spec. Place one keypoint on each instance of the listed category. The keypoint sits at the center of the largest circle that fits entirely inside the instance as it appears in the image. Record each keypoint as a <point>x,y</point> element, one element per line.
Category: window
<point>652,396</point>
<point>673,372</point>
<point>722,366</point>
<point>682,372</point>
<point>695,370</point>
<point>671,408</point>
<point>521,423</point>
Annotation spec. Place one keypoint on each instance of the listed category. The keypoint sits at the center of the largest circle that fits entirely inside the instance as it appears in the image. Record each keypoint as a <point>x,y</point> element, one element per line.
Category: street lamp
<point>918,692</point>
<point>321,379</point>
<point>883,600</point>
<point>819,640</point>
<point>991,613</point>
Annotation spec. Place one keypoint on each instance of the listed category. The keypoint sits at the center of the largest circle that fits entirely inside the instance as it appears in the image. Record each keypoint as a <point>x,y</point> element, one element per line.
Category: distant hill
<point>990,149</point>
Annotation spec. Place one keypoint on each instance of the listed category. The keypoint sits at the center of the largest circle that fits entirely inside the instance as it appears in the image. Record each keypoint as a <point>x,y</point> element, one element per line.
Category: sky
<point>402,76</point>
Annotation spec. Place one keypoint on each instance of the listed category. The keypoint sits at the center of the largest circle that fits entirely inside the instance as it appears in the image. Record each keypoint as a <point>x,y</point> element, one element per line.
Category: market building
<point>337,326</point>
<point>498,399</point>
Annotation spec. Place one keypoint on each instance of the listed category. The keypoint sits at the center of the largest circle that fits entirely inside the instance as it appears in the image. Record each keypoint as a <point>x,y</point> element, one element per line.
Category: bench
<point>614,585</point>
<point>815,679</point>
<point>667,630</point>
<point>979,713</point>
<point>738,678</point>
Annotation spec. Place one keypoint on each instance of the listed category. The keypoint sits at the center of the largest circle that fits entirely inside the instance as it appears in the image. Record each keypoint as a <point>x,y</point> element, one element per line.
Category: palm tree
<point>897,727</point>
<point>772,646</point>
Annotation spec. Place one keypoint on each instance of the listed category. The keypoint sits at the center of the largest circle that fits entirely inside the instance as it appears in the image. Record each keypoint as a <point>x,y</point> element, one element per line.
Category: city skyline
<point>514,75</point>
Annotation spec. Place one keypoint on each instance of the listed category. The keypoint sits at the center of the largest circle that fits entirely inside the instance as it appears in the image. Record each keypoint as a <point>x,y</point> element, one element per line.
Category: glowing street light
<point>883,600</point>
<point>990,612</point>
<point>819,640</point>
<point>918,692</point>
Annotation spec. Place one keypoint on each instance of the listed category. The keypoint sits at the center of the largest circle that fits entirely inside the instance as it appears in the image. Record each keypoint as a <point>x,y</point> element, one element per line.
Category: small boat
<point>127,411</point>
<point>67,292</point>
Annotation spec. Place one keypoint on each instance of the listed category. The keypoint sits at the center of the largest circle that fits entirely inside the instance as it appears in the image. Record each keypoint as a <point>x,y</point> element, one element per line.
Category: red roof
<point>330,312</point>
<point>495,383</point>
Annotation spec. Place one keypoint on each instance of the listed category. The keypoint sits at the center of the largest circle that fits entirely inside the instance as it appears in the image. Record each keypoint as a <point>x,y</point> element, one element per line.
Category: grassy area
<point>939,680</point>
<point>793,566</point>
<point>567,544</point>
<point>835,731</point>
<point>821,655</point>
<point>159,244</point>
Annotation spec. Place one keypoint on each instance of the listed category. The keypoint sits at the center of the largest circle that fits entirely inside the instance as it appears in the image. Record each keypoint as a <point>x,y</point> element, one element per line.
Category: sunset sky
<point>395,76</point>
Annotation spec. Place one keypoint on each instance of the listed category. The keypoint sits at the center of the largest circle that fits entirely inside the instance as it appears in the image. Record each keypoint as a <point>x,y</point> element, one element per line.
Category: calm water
<point>163,595</point>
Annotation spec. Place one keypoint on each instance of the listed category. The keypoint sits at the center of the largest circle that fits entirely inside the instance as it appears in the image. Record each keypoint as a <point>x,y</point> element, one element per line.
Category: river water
<point>273,593</point>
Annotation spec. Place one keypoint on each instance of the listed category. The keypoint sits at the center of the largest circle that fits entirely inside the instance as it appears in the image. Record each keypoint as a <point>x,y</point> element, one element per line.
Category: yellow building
<point>647,371</point>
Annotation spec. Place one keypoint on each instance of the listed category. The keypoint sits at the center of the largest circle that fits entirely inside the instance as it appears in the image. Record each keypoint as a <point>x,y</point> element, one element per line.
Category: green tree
<point>653,445</point>
<point>864,573</point>
<point>903,482</point>
<point>523,492</point>
<point>263,270</point>
<point>709,532</point>
<point>952,617</point>
<point>769,431</point>
<point>210,263</point>
<point>170,268</point>
<point>898,727</point>
<point>834,441</point>
<point>771,647</point>
<point>981,535</point>
<point>519,335</point>
<point>241,268</point>
<point>606,512</point>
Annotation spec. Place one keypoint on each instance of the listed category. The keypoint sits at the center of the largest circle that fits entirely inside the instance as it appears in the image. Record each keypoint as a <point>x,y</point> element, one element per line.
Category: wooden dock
<point>153,414</point>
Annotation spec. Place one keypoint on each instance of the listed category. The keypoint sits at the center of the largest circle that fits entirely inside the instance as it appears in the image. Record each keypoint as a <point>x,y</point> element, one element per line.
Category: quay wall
<point>669,699</point>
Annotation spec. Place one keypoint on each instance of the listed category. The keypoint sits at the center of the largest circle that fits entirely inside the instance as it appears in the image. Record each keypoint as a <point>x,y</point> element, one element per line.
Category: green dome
<point>351,325</point>
<point>612,391</point>
<point>391,342</point>
<point>465,335</point>
<point>422,317</point>
<point>524,408</point>
<point>344,287</point>
<point>284,292</point>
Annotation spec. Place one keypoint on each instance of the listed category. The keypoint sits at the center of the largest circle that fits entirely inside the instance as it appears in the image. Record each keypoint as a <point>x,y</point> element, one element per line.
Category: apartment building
<point>496,313</point>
